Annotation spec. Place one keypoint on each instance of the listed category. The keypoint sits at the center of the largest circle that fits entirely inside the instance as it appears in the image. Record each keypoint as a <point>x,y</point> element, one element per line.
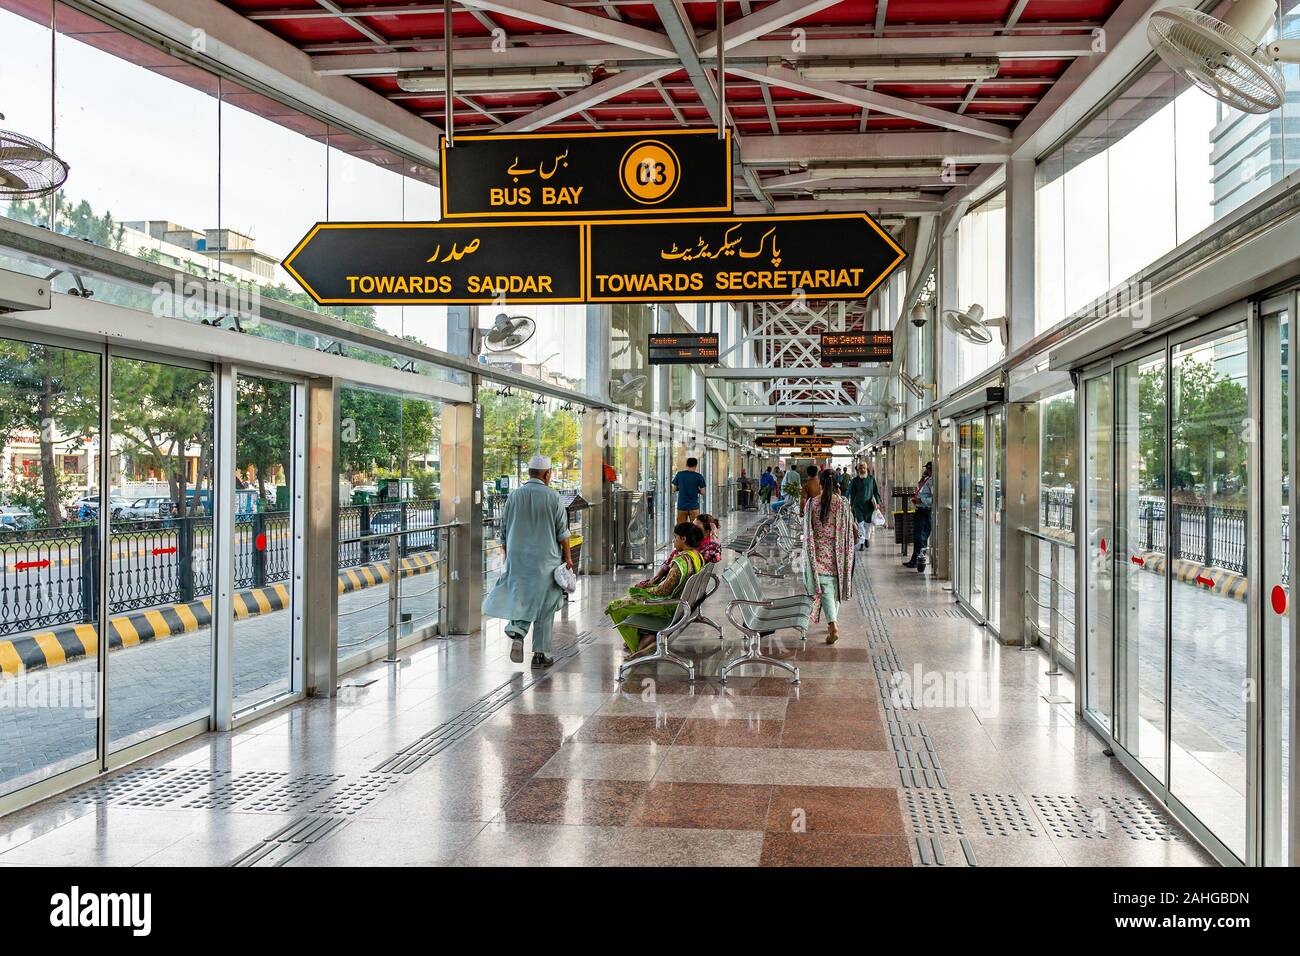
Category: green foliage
<point>72,218</point>
<point>263,427</point>
<point>28,491</point>
<point>510,437</point>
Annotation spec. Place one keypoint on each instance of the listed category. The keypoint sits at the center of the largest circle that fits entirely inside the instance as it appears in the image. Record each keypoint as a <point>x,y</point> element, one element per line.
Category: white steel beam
<point>907,207</point>
<point>772,17</point>
<point>571,20</point>
<point>880,102</point>
<point>528,51</point>
<point>798,149</point>
<point>583,99</point>
<point>783,374</point>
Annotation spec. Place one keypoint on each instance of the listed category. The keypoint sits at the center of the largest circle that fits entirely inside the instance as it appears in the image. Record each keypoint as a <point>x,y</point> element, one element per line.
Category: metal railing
<point>1034,579</point>
<point>1207,534</point>
<point>49,576</point>
<point>389,550</point>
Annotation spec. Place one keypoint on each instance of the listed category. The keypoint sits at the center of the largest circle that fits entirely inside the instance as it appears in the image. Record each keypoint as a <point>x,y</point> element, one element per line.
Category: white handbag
<point>566,579</point>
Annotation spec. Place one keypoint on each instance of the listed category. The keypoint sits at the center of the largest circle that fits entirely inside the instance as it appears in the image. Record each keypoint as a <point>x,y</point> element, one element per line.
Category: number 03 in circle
<point>649,171</point>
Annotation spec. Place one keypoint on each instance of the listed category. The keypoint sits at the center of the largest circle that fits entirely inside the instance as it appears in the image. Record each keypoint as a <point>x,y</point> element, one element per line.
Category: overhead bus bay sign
<point>531,175</point>
<point>728,259</point>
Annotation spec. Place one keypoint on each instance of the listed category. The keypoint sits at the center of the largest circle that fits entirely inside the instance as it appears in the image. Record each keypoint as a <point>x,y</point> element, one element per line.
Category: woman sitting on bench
<point>665,586</point>
<point>710,548</point>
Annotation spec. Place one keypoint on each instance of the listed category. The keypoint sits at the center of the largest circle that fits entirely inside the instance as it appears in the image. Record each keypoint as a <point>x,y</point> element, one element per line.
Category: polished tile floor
<point>915,740</point>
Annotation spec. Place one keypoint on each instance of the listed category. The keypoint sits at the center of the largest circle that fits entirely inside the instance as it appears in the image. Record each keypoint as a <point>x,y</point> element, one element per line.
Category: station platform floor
<point>456,756</point>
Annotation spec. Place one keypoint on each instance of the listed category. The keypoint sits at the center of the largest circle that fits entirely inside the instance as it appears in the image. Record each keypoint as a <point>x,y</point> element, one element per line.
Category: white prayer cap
<point>539,463</point>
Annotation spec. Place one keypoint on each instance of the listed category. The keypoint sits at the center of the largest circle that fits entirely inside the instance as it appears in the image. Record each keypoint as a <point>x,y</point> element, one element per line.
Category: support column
<point>946,373</point>
<point>223,502</point>
<point>1020,505</point>
<point>598,434</point>
<point>461,491</point>
<point>321,541</point>
<point>1021,249</point>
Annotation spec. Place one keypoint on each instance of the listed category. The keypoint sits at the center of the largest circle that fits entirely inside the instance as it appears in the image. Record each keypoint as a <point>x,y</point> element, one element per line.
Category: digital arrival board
<point>534,175</point>
<point>669,349</point>
<point>857,347</point>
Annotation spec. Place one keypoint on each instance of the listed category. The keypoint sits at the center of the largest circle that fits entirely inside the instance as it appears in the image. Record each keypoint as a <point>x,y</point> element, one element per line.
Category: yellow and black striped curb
<point>74,641</point>
<point>1227,584</point>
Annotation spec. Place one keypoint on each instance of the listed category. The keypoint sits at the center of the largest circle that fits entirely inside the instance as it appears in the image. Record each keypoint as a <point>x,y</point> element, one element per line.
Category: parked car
<point>144,509</point>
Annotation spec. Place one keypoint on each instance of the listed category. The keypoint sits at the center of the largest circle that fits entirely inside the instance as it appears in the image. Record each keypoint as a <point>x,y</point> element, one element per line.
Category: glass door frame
<point>1243,311</point>
<point>993,461</point>
<point>220,714</point>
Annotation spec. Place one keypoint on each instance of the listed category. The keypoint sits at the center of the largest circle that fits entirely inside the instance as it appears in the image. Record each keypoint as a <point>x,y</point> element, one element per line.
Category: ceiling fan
<point>971,325</point>
<point>1227,58</point>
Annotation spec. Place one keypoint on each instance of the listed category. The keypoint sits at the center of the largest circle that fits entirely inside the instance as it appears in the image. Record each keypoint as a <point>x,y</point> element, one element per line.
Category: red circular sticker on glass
<point>260,542</point>
<point>1279,598</point>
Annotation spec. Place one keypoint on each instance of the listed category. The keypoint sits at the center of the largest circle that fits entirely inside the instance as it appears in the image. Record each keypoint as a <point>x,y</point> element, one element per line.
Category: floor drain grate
<point>1068,816</point>
<point>1140,820</point>
<point>933,813</point>
<point>1003,814</point>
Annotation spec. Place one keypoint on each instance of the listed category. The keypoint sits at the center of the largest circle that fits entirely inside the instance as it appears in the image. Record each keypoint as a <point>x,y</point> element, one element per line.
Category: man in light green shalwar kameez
<point>534,534</point>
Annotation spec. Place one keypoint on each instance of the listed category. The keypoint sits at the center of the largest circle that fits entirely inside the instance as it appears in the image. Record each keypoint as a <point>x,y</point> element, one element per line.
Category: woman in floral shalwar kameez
<point>829,539</point>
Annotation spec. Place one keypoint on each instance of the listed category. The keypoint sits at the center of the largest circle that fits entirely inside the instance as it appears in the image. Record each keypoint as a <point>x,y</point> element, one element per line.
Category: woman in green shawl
<point>864,496</point>
<point>666,585</point>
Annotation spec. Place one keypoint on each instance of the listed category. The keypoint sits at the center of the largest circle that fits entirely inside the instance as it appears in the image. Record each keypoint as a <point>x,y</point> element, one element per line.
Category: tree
<point>52,393</point>
<point>158,412</point>
<point>263,414</point>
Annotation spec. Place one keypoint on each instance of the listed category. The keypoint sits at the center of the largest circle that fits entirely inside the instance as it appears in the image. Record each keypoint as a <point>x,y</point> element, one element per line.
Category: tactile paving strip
<point>294,792</point>
<point>1003,814</point>
<point>1140,820</point>
<point>354,795</point>
<point>237,790</point>
<point>1069,816</point>
<point>287,842</point>
<point>415,755</point>
<point>175,787</point>
<point>933,813</point>
<point>120,784</point>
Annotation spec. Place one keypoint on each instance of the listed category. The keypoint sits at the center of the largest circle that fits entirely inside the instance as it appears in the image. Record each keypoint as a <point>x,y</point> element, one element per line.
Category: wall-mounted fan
<point>1225,57</point>
<point>628,387</point>
<point>971,325</point>
<point>890,405</point>
<point>28,168</point>
<point>508,332</point>
<point>685,406</point>
<point>914,384</point>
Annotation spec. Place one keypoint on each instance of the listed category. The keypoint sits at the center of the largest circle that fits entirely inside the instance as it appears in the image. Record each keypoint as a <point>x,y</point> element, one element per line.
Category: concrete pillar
<point>461,492</point>
<point>1020,505</point>
<point>1021,250</point>
<point>321,539</point>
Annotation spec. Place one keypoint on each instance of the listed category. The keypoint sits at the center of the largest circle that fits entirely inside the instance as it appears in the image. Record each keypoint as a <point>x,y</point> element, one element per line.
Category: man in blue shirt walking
<point>689,485</point>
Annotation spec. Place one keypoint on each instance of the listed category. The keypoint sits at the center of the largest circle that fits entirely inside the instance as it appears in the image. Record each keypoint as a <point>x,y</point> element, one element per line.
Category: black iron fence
<point>50,576</point>
<point>1208,534</point>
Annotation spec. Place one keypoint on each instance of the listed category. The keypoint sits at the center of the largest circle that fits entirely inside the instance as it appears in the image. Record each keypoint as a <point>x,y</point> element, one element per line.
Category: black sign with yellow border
<point>751,258</point>
<point>795,431</point>
<point>673,349</point>
<point>804,443</point>
<point>434,263</point>
<point>535,175</point>
<point>857,347</point>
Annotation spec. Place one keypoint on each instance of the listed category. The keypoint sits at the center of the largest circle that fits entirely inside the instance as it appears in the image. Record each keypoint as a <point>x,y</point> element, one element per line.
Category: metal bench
<point>744,584</point>
<point>699,588</point>
<point>759,619</point>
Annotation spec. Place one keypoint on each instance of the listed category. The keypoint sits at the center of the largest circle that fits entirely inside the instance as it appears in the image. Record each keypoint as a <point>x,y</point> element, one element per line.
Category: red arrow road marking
<point>1202,579</point>
<point>24,565</point>
<point>1138,561</point>
<point>171,550</point>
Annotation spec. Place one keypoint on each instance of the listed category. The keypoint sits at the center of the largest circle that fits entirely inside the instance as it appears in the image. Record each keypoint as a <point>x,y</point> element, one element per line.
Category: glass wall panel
<point>978,517</point>
<point>265,483</point>
<point>27,67</point>
<point>965,446</point>
<point>981,279</point>
<point>161,547</point>
<point>1098,489</point>
<point>49,557</point>
<point>1208,533</point>
<point>997,426</point>
<point>1140,568</point>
